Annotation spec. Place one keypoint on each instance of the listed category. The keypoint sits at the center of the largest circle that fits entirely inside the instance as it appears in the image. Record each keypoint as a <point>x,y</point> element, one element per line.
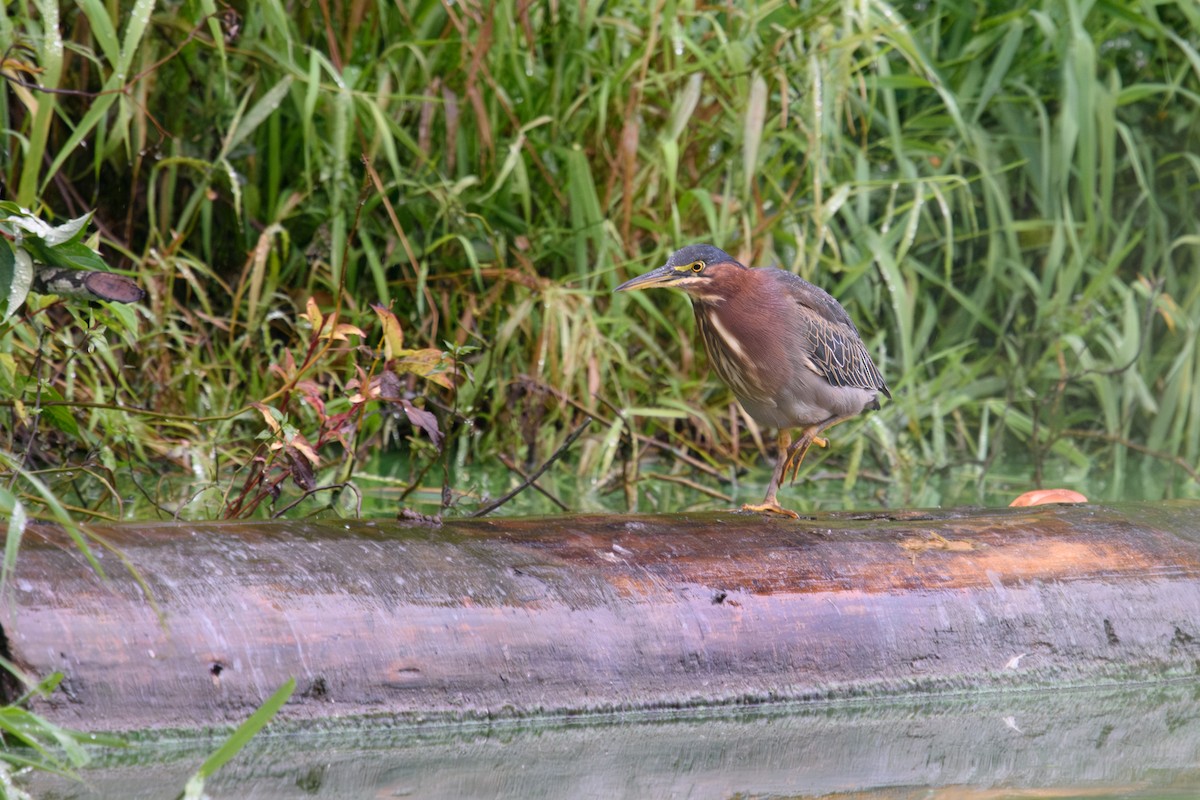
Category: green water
<point>387,477</point>
<point>662,483</point>
<point>1115,742</point>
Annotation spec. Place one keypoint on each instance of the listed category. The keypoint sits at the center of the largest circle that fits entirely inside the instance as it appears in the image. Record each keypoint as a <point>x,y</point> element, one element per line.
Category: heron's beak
<point>661,276</point>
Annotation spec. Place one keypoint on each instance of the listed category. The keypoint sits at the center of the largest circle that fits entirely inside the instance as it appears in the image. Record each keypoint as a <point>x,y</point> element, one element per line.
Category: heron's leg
<point>796,453</point>
<point>809,437</point>
<point>770,504</point>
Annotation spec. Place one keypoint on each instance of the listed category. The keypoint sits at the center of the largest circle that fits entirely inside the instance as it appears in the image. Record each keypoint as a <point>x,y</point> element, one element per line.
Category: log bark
<point>511,617</point>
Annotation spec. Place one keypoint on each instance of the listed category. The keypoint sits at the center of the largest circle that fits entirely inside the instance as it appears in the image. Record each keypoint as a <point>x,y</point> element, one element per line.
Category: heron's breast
<point>749,354</point>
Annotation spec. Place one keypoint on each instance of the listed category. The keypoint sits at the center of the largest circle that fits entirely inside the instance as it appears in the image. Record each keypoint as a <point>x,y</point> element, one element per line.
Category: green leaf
<point>16,276</point>
<point>74,255</point>
<point>59,416</point>
<point>121,317</point>
<point>661,413</point>
<point>11,378</point>
<point>102,28</point>
<point>238,739</point>
<point>11,507</point>
<point>70,231</point>
<point>246,124</point>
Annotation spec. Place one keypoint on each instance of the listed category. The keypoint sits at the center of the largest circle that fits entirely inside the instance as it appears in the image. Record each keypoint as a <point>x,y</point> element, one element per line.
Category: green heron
<point>787,349</point>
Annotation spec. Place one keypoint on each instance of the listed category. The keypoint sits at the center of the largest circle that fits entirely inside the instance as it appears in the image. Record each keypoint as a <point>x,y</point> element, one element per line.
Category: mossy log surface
<point>572,614</point>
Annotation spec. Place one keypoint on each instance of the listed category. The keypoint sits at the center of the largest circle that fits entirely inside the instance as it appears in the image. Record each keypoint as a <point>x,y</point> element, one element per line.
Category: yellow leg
<point>791,454</point>
<point>796,454</point>
<point>810,437</point>
<point>770,505</point>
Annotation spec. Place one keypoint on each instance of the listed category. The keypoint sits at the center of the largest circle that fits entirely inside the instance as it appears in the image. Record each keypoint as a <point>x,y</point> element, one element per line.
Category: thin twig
<point>689,483</point>
<point>647,440</point>
<point>508,462</point>
<point>314,490</point>
<point>415,482</point>
<point>861,474</point>
<point>1178,461</point>
<point>159,507</point>
<point>492,506</point>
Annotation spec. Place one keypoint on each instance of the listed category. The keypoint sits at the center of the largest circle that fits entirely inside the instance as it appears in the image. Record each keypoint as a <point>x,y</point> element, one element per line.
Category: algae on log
<point>600,612</point>
<point>1060,744</point>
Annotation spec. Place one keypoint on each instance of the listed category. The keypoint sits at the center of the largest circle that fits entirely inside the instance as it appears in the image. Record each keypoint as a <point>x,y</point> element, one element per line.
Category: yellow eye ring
<point>697,266</point>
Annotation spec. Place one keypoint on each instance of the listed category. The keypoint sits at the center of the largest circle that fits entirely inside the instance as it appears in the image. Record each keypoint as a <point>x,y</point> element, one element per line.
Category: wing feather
<point>836,351</point>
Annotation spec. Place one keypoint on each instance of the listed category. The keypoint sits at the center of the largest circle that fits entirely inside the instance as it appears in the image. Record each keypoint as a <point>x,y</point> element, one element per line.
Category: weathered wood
<point>569,614</point>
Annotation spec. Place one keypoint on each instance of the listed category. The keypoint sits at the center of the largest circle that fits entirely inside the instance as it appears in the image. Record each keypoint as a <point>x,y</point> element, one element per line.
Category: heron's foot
<point>771,508</point>
<point>794,467</point>
<point>795,453</point>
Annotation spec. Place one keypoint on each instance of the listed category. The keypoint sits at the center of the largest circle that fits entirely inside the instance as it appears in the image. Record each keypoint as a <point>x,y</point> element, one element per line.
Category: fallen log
<point>572,614</point>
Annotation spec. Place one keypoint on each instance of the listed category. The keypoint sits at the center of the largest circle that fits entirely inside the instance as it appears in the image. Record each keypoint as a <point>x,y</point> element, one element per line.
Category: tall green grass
<point>1005,199</point>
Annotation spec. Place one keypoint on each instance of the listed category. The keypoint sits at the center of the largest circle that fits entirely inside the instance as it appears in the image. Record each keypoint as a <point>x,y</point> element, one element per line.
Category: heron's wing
<point>838,354</point>
<point>835,350</point>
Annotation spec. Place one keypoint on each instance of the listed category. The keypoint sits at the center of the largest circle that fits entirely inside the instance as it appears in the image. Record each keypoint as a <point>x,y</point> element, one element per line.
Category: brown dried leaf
<point>387,386</point>
<point>627,157</point>
<point>301,469</point>
<point>300,444</point>
<point>424,420</point>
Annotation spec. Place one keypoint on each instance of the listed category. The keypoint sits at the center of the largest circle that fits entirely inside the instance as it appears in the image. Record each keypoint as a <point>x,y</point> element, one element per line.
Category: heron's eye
<point>697,266</point>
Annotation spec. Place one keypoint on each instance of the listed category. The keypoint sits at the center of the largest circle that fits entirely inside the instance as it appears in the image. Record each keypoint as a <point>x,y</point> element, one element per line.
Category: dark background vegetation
<point>1005,197</point>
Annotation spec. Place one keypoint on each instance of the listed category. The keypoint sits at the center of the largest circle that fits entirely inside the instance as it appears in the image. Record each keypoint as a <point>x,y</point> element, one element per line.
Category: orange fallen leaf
<point>1040,497</point>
